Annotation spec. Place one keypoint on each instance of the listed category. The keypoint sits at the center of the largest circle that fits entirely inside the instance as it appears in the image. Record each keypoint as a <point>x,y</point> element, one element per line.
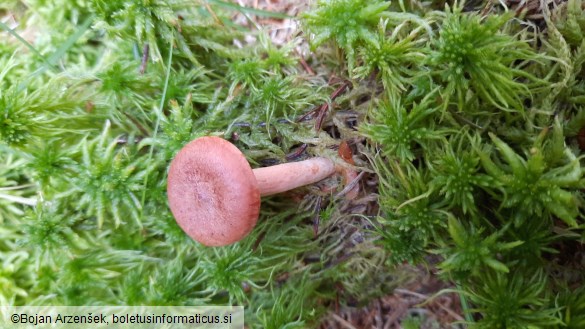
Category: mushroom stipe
<point>214,194</point>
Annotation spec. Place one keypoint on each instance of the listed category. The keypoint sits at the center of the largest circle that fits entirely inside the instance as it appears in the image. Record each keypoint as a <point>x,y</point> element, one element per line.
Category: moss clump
<point>462,128</point>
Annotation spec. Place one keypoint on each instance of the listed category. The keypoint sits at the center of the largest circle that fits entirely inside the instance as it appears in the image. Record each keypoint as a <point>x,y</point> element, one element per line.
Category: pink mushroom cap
<point>212,192</point>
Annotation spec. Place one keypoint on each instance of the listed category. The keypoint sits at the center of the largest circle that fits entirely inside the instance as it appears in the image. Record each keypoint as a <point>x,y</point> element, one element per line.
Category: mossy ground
<point>459,125</point>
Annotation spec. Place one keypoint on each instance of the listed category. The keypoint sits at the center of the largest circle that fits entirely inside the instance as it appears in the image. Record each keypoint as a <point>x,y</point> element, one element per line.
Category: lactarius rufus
<point>215,195</point>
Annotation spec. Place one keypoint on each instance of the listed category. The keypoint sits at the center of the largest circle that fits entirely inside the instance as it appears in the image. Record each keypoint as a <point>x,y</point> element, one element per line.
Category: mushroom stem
<point>287,176</point>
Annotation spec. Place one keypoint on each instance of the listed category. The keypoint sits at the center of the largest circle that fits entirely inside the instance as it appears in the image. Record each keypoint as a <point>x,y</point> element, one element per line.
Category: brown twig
<point>321,116</point>
<point>309,115</point>
<point>305,64</point>
<point>323,109</point>
<point>296,153</point>
<point>137,124</point>
<point>317,218</point>
<point>342,321</point>
<point>350,188</point>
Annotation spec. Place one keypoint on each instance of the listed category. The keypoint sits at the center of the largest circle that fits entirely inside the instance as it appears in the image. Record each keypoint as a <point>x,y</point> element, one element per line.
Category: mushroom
<point>214,194</point>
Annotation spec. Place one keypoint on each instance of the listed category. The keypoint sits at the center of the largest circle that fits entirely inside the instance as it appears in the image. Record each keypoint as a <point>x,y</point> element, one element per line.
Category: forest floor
<point>418,301</point>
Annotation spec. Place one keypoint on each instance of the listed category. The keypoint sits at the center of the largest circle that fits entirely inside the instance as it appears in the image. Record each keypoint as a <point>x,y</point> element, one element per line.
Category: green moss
<point>465,121</point>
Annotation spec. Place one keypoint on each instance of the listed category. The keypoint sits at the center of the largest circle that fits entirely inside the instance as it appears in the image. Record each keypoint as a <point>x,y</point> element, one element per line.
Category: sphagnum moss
<point>449,193</point>
<point>469,159</point>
